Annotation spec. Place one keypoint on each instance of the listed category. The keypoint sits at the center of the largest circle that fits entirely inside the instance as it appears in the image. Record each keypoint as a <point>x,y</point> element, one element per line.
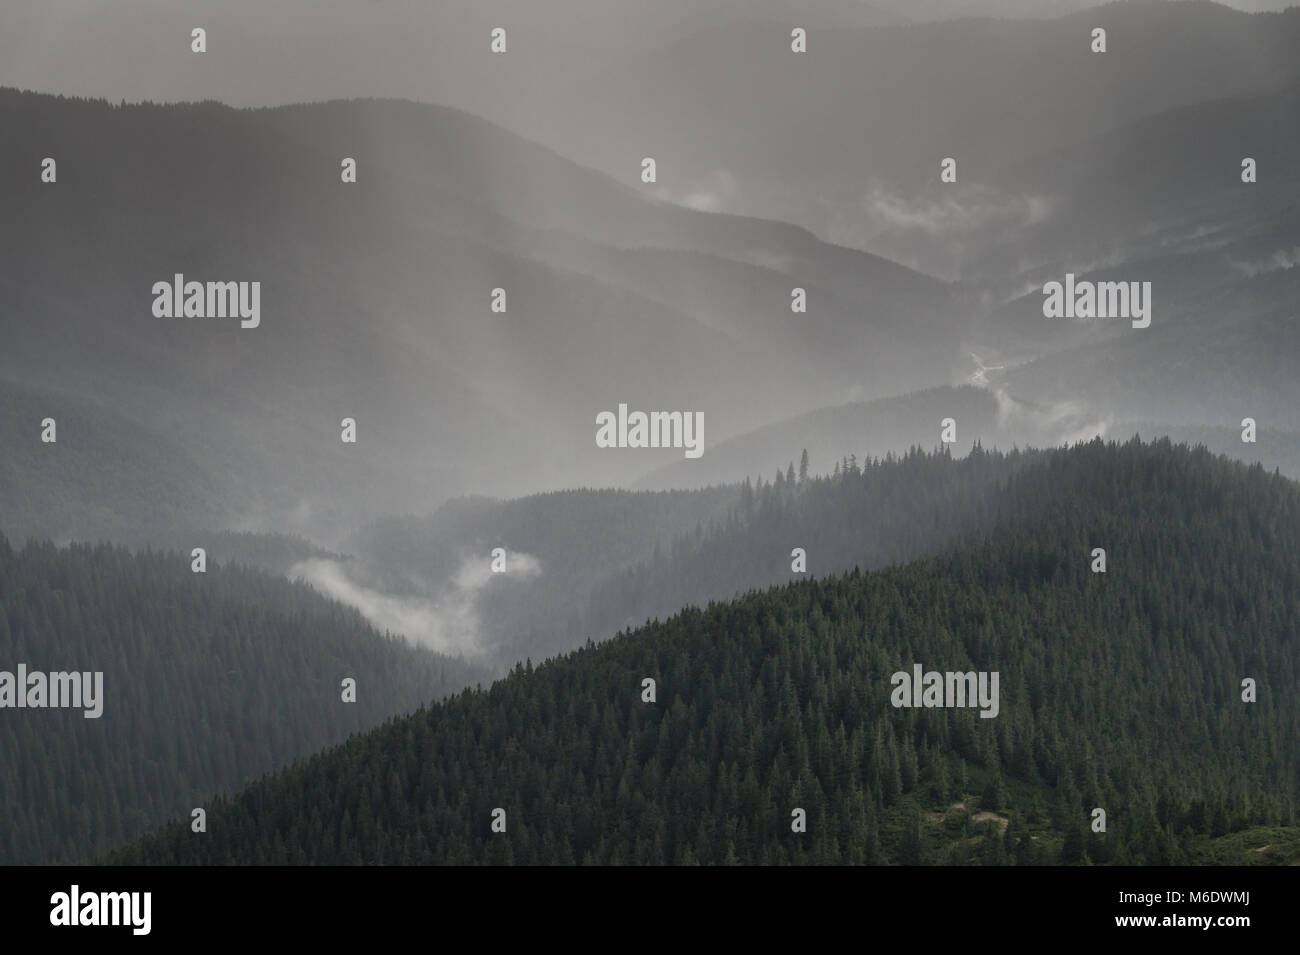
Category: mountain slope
<point>873,429</point>
<point>1185,195</point>
<point>209,681</point>
<point>1119,691</point>
<point>376,302</point>
<point>103,475</point>
<point>584,564</point>
<point>830,140</point>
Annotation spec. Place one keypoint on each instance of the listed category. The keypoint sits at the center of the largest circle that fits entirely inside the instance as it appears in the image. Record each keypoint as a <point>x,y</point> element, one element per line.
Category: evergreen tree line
<point>1118,690</point>
<point>615,559</point>
<point>210,680</point>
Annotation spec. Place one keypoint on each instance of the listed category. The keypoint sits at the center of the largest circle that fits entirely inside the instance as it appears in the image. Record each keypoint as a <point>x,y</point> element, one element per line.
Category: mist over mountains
<point>708,88</point>
<point>781,700</point>
<point>208,683</point>
<point>377,302</point>
<point>379,293</point>
<point>394,456</point>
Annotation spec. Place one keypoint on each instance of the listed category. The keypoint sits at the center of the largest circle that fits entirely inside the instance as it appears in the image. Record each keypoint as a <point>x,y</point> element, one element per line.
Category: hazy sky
<point>627,301</point>
<point>569,61</point>
<point>264,52</point>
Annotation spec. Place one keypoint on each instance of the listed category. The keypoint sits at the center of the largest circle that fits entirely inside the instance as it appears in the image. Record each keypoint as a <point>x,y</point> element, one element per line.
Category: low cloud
<point>718,192</point>
<point>1048,425</point>
<point>448,624</point>
<point>935,231</point>
<point>1281,259</point>
<point>945,214</point>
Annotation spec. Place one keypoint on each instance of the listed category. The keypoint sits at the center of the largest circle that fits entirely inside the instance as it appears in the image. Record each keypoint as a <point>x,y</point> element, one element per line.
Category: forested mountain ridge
<point>611,559</point>
<point>1119,690</point>
<point>143,482</point>
<point>870,429</point>
<point>209,680</point>
<point>866,514</point>
<point>1002,415</point>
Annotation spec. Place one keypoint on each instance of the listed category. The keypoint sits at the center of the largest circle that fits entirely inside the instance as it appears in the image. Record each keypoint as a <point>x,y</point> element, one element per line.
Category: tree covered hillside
<point>209,680</point>
<point>1119,691</point>
<point>608,560</point>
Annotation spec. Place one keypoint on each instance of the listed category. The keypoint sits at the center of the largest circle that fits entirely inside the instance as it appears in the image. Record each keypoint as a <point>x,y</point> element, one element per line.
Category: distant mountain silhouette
<point>376,303</point>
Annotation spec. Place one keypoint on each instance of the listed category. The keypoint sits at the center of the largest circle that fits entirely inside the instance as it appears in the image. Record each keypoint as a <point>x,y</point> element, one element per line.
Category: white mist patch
<point>934,231</point>
<point>449,624</point>
<point>980,376</point>
<point>474,574</point>
<point>718,192</point>
<point>979,207</point>
<point>1065,422</point>
<point>1085,433</point>
<point>1281,259</point>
